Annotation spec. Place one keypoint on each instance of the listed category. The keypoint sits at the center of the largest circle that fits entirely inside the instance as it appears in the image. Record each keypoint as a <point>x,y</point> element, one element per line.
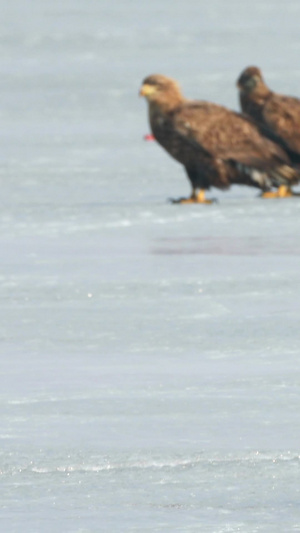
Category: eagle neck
<point>167,103</point>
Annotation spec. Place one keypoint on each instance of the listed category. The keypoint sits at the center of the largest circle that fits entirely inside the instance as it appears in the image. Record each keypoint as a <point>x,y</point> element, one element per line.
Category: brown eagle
<point>217,147</point>
<point>277,116</point>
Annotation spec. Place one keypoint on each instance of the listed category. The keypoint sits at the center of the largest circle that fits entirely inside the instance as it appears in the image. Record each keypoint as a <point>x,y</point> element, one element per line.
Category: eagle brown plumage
<point>278,116</point>
<point>217,147</point>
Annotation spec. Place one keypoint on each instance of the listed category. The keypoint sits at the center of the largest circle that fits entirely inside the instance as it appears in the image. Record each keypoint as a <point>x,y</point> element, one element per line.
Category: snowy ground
<point>149,351</point>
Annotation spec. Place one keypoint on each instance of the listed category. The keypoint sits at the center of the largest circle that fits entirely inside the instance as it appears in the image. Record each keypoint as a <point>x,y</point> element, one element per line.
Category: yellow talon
<point>283,191</point>
<point>195,198</point>
<point>269,194</point>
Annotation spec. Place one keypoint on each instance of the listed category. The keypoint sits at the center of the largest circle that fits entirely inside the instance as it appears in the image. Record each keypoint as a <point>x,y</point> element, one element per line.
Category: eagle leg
<point>283,191</point>
<point>197,197</point>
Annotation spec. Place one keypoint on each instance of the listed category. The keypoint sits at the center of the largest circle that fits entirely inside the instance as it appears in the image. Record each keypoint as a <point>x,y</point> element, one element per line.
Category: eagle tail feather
<point>285,175</point>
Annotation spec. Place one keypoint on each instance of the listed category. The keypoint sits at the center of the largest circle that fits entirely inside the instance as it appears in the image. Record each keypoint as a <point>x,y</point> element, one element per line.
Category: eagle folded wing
<point>282,120</point>
<point>225,135</point>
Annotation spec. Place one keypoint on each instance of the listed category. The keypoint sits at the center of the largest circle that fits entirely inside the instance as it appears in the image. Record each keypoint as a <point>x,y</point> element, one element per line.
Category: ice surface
<point>149,351</point>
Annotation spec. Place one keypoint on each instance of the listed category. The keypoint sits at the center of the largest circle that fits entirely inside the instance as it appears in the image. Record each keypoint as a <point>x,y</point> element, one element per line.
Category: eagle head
<point>161,90</point>
<point>250,78</point>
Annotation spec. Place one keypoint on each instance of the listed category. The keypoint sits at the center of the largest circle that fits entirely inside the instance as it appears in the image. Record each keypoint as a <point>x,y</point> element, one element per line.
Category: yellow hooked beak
<point>147,90</point>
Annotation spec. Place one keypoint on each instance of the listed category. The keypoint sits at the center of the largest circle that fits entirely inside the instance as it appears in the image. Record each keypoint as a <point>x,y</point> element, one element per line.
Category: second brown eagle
<point>217,147</point>
<point>277,115</point>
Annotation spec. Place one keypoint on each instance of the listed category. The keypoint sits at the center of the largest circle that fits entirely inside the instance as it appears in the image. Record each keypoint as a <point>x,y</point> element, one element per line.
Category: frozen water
<point>149,352</point>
